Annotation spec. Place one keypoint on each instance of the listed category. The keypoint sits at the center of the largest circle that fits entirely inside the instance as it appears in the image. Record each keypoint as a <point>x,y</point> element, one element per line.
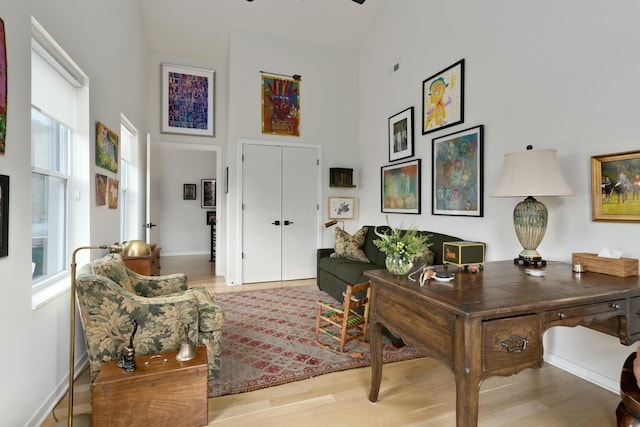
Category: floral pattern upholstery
<point>350,247</point>
<point>110,296</point>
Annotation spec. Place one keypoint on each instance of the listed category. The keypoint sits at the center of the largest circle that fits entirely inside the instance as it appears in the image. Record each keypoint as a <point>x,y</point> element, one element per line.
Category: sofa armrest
<point>155,286</point>
<point>322,253</point>
<point>211,315</point>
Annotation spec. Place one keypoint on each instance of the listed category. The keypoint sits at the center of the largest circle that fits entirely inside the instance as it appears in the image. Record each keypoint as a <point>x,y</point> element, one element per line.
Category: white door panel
<point>152,216</point>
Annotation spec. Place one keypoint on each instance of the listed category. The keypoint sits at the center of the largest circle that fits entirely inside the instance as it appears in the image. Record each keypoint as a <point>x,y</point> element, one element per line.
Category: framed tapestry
<point>107,154</point>
<point>457,173</point>
<point>187,100</point>
<point>341,207</point>
<point>401,135</point>
<point>208,193</point>
<point>615,187</point>
<point>400,187</point>
<point>280,106</point>
<point>4,215</point>
<point>443,98</point>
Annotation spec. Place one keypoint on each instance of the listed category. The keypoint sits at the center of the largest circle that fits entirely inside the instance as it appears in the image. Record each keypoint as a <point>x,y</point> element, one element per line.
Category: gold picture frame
<point>341,207</point>
<point>615,187</point>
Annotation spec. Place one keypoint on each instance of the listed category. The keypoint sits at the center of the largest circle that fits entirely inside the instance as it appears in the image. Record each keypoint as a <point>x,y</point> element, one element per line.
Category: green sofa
<point>333,274</point>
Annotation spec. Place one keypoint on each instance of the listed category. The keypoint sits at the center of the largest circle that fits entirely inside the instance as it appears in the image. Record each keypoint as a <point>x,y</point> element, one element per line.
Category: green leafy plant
<point>404,244</point>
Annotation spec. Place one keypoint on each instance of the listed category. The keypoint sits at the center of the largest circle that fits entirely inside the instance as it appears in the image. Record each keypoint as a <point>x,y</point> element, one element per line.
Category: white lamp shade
<point>532,173</point>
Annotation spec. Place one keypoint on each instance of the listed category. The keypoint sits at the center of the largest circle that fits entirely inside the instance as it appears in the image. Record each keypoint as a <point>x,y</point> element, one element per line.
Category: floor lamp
<point>84,419</point>
<point>531,173</point>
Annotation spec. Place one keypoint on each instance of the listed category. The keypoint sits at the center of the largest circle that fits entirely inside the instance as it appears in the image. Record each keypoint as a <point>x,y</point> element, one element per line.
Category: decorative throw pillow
<point>350,247</point>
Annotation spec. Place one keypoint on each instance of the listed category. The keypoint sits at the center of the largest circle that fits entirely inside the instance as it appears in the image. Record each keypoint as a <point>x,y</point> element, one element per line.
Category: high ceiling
<point>200,28</point>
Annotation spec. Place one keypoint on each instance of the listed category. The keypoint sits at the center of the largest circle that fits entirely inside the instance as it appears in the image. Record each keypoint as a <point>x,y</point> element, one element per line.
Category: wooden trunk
<point>160,392</point>
<point>146,265</point>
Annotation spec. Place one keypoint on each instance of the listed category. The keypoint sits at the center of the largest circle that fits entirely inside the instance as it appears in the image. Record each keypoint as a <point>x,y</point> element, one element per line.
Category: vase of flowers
<point>401,247</point>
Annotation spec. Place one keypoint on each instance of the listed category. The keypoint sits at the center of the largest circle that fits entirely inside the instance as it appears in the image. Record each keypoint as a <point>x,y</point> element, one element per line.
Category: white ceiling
<point>200,29</point>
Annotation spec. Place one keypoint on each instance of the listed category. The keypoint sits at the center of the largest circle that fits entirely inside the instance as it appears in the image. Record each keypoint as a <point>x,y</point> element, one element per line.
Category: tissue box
<point>463,253</point>
<point>621,267</point>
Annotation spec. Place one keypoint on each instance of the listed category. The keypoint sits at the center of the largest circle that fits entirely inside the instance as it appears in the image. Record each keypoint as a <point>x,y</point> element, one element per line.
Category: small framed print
<point>400,187</point>
<point>208,193</point>
<point>457,173</point>
<point>341,207</point>
<point>211,217</point>
<point>401,135</point>
<point>443,98</point>
<point>615,187</point>
<point>189,192</point>
<point>4,215</point>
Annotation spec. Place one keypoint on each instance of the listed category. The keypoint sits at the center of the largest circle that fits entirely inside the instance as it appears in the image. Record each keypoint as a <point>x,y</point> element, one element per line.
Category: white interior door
<point>280,213</point>
<point>261,213</point>
<point>152,216</point>
<point>299,212</point>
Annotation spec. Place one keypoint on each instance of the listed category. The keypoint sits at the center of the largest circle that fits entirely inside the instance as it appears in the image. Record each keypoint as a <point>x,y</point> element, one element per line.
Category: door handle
<point>287,222</point>
<point>149,225</point>
<point>276,223</point>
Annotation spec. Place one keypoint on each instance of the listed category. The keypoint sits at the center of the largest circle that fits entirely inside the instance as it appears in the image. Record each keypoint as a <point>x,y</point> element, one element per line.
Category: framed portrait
<point>400,187</point>
<point>458,173</point>
<point>280,106</point>
<point>188,191</point>
<point>443,98</point>
<point>615,187</point>
<point>401,135</point>
<point>107,153</point>
<point>341,207</point>
<point>101,189</point>
<point>208,193</point>
<point>4,215</point>
<point>187,100</point>
<point>211,217</point>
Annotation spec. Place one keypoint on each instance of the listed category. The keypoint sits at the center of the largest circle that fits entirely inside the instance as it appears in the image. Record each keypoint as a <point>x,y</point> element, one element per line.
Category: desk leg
<point>375,345</point>
<point>467,370</point>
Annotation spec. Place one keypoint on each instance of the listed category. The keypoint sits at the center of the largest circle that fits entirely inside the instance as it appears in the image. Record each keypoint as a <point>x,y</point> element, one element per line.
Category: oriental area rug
<point>268,340</point>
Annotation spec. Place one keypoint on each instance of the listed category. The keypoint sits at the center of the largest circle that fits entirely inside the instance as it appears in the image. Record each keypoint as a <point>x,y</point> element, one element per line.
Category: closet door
<point>280,215</point>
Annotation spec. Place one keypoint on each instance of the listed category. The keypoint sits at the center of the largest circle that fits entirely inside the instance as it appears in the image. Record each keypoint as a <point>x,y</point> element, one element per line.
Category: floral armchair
<point>110,296</point>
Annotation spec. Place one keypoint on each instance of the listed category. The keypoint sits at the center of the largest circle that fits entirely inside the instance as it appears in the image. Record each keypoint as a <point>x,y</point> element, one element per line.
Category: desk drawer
<point>511,344</point>
<point>585,313</point>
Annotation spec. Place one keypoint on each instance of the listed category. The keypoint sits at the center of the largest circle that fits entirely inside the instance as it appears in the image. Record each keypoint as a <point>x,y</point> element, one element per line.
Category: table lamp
<point>83,419</point>
<point>531,173</point>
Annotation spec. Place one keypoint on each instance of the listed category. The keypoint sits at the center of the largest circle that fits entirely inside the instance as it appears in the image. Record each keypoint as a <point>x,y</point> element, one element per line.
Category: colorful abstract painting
<point>106,148</point>
<point>3,88</point>
<point>101,189</point>
<point>112,192</point>
<point>443,98</point>
<point>280,106</point>
<point>187,100</point>
<point>457,173</point>
<point>401,187</point>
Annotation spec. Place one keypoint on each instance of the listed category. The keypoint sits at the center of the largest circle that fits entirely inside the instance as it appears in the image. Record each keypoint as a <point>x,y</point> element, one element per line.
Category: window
<point>129,220</point>
<point>59,162</point>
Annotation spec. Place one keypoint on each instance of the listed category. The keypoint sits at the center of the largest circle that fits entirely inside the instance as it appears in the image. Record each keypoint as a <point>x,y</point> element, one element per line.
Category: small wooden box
<point>463,253</point>
<point>146,265</point>
<point>621,267</point>
<point>162,392</point>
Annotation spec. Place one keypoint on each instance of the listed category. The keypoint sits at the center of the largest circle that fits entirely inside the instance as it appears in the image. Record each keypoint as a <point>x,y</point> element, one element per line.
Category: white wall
<point>560,75</point>
<point>98,36</point>
<point>328,105</point>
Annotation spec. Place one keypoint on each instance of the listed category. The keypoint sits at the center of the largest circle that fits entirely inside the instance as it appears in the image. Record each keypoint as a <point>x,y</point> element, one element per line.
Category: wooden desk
<point>491,322</point>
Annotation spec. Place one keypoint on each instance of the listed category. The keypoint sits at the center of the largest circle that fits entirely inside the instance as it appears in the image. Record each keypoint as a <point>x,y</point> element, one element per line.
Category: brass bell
<point>187,352</point>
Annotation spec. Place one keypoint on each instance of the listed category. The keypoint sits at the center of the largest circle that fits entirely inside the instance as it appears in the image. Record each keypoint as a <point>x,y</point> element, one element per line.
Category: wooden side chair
<point>347,322</point>
<point>628,411</point>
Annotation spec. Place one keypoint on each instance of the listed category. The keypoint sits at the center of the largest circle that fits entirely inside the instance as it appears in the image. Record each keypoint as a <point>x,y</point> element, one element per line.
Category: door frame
<point>240,163</point>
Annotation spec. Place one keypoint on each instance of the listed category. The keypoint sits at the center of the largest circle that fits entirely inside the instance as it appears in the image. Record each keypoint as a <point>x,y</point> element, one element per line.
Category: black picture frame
<point>401,135</point>
<point>4,215</point>
<point>401,189</point>
<point>458,173</point>
<point>449,95</point>
<point>208,190</point>
<point>211,217</point>
<point>189,192</point>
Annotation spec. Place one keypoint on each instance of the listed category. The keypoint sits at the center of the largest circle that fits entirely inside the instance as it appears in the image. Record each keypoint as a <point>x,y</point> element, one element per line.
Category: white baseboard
<point>613,385</point>
<point>56,395</point>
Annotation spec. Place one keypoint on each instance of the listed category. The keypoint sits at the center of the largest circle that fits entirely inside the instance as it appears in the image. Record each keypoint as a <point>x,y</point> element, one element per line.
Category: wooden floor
<point>418,392</point>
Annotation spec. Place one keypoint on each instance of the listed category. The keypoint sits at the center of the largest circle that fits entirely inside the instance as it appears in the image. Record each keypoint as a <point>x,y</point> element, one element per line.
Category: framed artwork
<point>208,193</point>
<point>112,191</point>
<point>280,106</point>
<point>4,215</point>
<point>189,192</point>
<point>107,154</point>
<point>101,189</point>
<point>458,173</point>
<point>443,98</point>
<point>401,135</point>
<point>615,187</point>
<point>187,100</point>
<point>211,217</point>
<point>341,207</point>
<point>400,187</point>
<point>3,88</point>
<point>226,180</point>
